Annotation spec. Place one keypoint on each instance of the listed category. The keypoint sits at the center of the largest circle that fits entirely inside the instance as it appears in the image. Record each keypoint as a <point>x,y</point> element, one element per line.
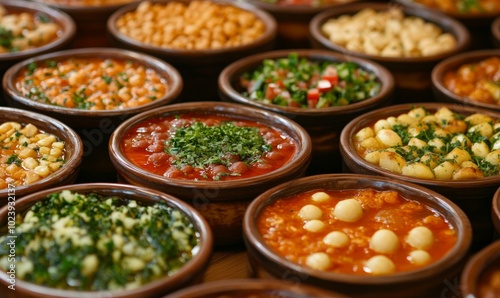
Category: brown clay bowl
<point>73,146</point>
<point>293,20</point>
<point>495,31</point>
<point>412,74</point>
<point>427,281</point>
<point>323,125</point>
<point>252,288</point>
<point>222,203</point>
<point>90,19</point>
<point>496,211</point>
<point>199,68</point>
<point>473,196</point>
<point>93,126</point>
<point>190,273</point>
<point>67,31</point>
<point>474,278</point>
<point>453,64</point>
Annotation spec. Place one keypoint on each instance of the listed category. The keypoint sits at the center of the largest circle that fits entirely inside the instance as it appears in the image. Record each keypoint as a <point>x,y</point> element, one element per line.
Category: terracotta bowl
<point>495,31</point>
<point>453,64</point>
<point>496,211</point>
<point>190,273</point>
<point>248,287</point>
<point>428,280</point>
<point>323,125</point>
<point>90,18</point>
<point>199,68</point>
<point>73,145</point>
<point>93,126</point>
<point>67,30</point>
<point>473,196</point>
<point>222,203</point>
<point>293,20</point>
<point>474,277</point>
<point>412,74</point>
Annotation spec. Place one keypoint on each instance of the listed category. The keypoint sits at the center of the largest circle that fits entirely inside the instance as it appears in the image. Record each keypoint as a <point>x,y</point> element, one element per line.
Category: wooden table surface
<point>227,263</point>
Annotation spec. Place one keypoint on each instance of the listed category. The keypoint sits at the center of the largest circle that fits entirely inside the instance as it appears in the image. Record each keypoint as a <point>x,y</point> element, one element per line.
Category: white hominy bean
<point>318,261</point>
<point>320,196</point>
<point>336,239</point>
<point>419,257</point>
<point>309,212</point>
<point>380,265</point>
<point>384,241</point>
<point>348,210</point>
<point>314,226</point>
<point>420,237</point>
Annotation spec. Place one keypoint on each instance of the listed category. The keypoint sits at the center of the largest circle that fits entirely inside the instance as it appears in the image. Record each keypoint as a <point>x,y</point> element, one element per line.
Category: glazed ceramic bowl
<point>473,195</point>
<point>67,30</point>
<point>73,146</point>
<point>496,211</point>
<point>412,74</point>
<point>248,287</point>
<point>453,64</point>
<point>293,20</point>
<point>93,126</point>
<point>189,273</point>
<point>90,17</point>
<point>495,31</point>
<point>476,278</point>
<point>264,262</point>
<point>199,68</point>
<point>222,202</point>
<point>323,124</point>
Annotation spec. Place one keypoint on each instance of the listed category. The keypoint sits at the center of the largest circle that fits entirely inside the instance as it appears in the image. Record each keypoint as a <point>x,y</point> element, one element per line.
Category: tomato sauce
<point>282,228</point>
<point>150,146</point>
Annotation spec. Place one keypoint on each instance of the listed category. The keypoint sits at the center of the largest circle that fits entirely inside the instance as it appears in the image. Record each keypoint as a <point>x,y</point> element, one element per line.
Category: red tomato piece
<point>330,74</point>
<point>324,85</point>
<point>271,91</point>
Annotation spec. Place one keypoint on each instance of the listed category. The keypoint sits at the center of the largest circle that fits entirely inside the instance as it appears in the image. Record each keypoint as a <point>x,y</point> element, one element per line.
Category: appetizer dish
<point>478,81</point>
<point>91,83</point>
<point>27,154</point>
<point>313,3</point>
<point>206,147</point>
<point>300,82</point>
<point>489,281</point>
<point>197,25</point>
<point>25,30</point>
<point>86,2</point>
<point>364,232</point>
<point>463,6</point>
<point>439,145</point>
<point>388,33</point>
<point>92,242</point>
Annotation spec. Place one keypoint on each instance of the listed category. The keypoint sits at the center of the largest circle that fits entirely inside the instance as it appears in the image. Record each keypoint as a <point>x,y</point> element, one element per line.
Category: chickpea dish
<point>388,34</point>
<point>199,25</point>
<point>28,154</point>
<point>25,30</point>
<point>440,145</point>
<point>91,84</point>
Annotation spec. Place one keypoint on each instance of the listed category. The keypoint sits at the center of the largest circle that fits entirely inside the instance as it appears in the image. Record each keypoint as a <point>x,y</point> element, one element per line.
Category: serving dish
<point>266,262</point>
<point>495,31</point>
<point>479,278</point>
<point>473,195</point>
<point>412,74</point>
<point>62,174</point>
<point>93,126</point>
<point>455,64</point>
<point>496,211</point>
<point>199,67</point>
<point>323,124</point>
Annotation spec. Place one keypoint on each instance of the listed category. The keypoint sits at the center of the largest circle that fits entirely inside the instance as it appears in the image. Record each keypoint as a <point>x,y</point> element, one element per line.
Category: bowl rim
<point>449,64</point>
<point>200,260</point>
<point>455,15</point>
<point>222,286</point>
<point>77,7</point>
<point>459,31</point>
<point>496,210</point>
<point>66,25</point>
<point>164,70</point>
<point>303,153</point>
<point>346,144</point>
<point>495,28</point>
<point>464,231</point>
<point>268,35</point>
<point>296,9</point>
<point>382,74</point>
<point>475,266</point>
<point>72,163</point>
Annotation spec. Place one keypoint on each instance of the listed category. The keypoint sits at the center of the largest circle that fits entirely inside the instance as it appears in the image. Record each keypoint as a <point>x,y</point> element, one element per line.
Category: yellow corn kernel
<point>50,158</point>
<point>31,177</point>
<point>55,166</point>
<point>19,175</point>
<point>5,127</point>
<point>11,169</point>
<point>44,162</point>
<point>29,130</point>
<point>47,141</point>
<point>26,152</point>
<point>58,145</point>
<point>30,163</point>
<point>56,152</point>
<point>44,150</point>
<point>43,171</point>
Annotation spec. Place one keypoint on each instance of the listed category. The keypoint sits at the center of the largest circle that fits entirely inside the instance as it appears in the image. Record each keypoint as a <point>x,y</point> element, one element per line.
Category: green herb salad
<point>93,243</point>
<point>299,82</point>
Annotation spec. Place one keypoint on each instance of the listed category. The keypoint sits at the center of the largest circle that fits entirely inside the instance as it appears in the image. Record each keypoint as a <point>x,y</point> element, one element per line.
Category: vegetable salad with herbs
<point>298,82</point>
<point>463,6</point>
<point>94,243</point>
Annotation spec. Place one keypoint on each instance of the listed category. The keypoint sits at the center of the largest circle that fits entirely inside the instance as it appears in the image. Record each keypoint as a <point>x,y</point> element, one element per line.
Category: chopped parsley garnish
<point>14,159</point>
<point>107,79</point>
<point>31,68</point>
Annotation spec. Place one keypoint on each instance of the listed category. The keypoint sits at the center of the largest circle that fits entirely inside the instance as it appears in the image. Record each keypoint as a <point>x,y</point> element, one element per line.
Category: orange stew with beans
<point>91,83</point>
<point>463,6</point>
<point>362,232</point>
<point>477,81</point>
<point>206,147</point>
<point>489,281</point>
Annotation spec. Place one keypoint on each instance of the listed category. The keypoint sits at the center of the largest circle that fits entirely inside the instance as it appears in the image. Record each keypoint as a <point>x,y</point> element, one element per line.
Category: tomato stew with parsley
<point>298,82</point>
<point>91,83</point>
<point>313,3</point>
<point>361,232</point>
<point>478,81</point>
<point>206,147</point>
<point>463,6</point>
